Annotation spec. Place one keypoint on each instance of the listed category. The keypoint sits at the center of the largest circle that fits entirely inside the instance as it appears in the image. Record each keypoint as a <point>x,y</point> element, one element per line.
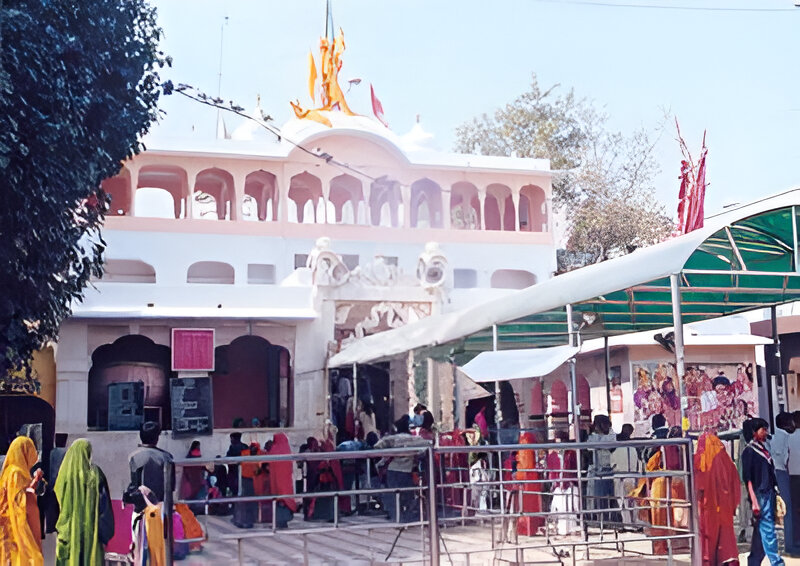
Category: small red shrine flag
<point>377,107</point>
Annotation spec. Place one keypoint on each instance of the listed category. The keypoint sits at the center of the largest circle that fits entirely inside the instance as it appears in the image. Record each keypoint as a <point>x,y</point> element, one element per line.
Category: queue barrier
<point>516,508</point>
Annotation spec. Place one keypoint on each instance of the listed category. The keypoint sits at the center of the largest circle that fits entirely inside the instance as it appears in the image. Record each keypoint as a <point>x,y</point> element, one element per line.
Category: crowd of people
<point>613,494</point>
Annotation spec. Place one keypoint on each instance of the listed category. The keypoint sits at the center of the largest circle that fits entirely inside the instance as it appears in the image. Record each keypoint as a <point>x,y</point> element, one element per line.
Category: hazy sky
<point>731,67</point>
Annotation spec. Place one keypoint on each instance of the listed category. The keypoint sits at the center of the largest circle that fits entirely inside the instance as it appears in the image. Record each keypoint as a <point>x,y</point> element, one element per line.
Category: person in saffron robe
<point>86,521</point>
<point>718,492</point>
<point>281,481</point>
<point>20,530</point>
<point>758,473</point>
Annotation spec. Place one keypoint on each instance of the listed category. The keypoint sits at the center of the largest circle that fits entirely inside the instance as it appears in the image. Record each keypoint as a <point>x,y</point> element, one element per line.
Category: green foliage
<point>603,181</point>
<point>79,86</point>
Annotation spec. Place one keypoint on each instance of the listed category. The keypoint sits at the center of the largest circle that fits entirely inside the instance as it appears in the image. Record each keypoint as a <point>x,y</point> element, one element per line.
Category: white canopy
<point>643,265</point>
<point>468,389</point>
<point>517,364</point>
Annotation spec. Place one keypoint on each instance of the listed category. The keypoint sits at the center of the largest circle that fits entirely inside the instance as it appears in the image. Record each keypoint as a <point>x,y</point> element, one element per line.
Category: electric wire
<point>666,6</point>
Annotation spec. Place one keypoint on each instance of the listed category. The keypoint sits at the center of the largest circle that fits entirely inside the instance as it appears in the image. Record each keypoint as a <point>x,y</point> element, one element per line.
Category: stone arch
<point>465,206</point>
<point>347,197</point>
<point>253,365</point>
<point>426,204</point>
<point>385,204</point>
<point>130,358</point>
<point>119,189</point>
<point>305,188</point>
<point>217,184</point>
<point>217,272</point>
<point>499,208</point>
<point>170,178</point>
<point>532,209</point>
<point>262,187</point>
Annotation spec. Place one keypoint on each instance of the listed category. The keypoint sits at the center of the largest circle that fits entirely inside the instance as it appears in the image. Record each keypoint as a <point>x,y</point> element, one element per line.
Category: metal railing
<point>451,493</point>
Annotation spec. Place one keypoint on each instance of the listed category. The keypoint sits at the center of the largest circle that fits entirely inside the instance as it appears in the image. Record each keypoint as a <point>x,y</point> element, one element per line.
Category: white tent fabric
<point>468,389</point>
<point>643,265</point>
<point>517,364</point>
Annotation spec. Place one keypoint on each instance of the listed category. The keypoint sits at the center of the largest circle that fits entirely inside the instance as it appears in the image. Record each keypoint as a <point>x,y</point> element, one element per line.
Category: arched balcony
<point>499,208</point>
<point>465,207</point>
<point>119,188</point>
<point>169,178</point>
<point>385,204</point>
<point>532,209</point>
<point>306,204</point>
<point>260,189</point>
<point>213,196</point>
<point>347,199</point>
<point>426,204</point>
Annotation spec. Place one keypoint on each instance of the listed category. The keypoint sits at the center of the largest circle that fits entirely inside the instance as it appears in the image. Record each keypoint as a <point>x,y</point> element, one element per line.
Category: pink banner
<point>193,349</point>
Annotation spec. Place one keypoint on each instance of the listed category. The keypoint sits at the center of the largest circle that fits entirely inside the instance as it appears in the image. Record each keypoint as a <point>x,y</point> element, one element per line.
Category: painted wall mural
<point>719,396</point>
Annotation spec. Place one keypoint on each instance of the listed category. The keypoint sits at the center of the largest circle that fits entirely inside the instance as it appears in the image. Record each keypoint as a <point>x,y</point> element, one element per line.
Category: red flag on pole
<point>377,107</point>
<point>691,197</point>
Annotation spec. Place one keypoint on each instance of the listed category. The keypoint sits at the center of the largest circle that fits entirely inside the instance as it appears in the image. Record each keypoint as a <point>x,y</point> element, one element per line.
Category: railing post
<point>433,520</point>
<point>169,536</point>
<point>697,552</point>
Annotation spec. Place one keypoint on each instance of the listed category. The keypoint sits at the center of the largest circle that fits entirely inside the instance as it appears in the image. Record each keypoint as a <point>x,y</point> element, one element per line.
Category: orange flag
<point>312,76</point>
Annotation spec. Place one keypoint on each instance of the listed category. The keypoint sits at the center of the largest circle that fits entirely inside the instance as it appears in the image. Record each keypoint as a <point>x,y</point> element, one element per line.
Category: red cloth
<point>281,480</point>
<point>336,468</point>
<point>718,494</point>
<point>562,475</point>
<point>531,497</point>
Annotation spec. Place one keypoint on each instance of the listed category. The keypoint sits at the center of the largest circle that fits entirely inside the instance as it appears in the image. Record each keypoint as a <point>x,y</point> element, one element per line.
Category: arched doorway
<point>251,381</point>
<point>130,358</point>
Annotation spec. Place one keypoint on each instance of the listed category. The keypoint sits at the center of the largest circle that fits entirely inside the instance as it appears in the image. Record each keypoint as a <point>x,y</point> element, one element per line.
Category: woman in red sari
<point>281,481</point>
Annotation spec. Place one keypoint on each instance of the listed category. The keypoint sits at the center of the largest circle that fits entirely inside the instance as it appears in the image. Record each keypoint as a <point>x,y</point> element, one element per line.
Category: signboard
<point>192,349</point>
<point>192,406</point>
<point>126,405</point>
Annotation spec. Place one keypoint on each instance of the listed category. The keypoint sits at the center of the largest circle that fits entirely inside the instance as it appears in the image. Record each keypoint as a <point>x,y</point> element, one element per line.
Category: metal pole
<point>774,367</point>
<point>697,551</point>
<point>166,516</point>
<point>433,520</point>
<point>680,358</point>
<point>355,391</point>
<point>457,420</point>
<point>608,374</point>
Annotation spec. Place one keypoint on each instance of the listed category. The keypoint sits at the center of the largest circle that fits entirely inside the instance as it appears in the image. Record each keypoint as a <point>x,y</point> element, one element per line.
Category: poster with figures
<point>719,396</point>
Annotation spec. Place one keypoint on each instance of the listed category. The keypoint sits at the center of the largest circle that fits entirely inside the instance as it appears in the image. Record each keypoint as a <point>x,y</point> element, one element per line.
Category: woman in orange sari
<point>20,531</point>
<point>673,514</point>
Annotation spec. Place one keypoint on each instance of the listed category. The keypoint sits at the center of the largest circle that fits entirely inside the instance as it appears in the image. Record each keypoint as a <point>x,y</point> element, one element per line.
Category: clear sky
<point>731,67</point>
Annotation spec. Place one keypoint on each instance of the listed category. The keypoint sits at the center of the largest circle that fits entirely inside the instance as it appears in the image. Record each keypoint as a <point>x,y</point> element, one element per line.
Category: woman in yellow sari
<point>20,533</point>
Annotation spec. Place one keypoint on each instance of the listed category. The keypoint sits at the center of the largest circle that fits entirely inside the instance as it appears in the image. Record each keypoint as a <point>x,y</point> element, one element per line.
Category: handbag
<point>780,509</point>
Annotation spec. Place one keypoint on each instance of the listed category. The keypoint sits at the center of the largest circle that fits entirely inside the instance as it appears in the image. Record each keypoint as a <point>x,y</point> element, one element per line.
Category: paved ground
<point>367,541</point>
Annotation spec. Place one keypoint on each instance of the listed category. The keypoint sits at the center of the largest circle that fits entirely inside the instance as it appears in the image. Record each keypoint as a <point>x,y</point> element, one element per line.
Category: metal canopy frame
<point>751,263</point>
<point>742,259</point>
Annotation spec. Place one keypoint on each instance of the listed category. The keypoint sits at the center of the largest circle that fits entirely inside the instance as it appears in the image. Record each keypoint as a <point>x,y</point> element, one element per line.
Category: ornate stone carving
<point>327,267</point>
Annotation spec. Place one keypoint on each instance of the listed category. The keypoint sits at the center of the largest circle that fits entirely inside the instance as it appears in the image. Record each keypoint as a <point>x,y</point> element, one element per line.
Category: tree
<point>603,181</point>
<point>79,86</point>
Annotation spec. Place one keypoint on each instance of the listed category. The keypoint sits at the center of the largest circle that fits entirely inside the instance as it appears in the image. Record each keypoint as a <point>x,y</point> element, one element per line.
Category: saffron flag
<point>312,76</point>
<point>377,107</point>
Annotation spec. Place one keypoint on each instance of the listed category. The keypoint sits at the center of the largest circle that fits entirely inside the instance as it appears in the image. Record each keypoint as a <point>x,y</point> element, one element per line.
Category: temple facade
<point>287,249</point>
